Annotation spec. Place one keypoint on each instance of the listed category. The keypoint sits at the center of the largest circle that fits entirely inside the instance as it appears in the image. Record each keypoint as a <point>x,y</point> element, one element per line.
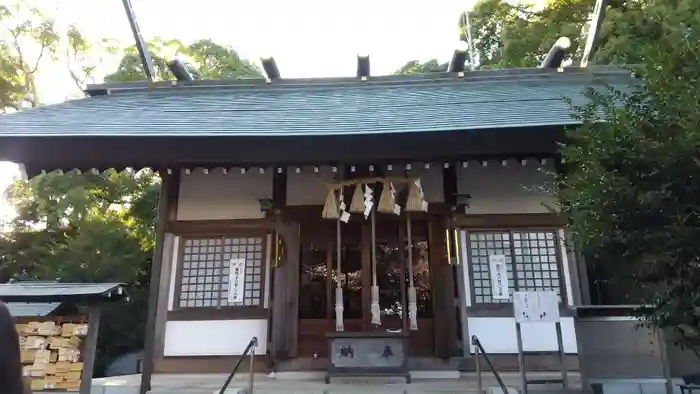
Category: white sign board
<point>536,307</point>
<point>499,277</point>
<point>236,280</point>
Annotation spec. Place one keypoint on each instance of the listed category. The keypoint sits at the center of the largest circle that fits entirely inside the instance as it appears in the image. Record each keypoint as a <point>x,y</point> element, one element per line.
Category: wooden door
<point>318,277</point>
<point>393,280</point>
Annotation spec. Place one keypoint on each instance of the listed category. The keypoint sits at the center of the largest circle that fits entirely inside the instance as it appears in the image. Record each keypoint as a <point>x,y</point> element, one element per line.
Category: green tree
<point>11,87</point>
<point>83,56</point>
<point>204,58</point>
<point>92,227</point>
<point>416,67</point>
<point>631,182</point>
<point>27,37</point>
<point>516,34</point>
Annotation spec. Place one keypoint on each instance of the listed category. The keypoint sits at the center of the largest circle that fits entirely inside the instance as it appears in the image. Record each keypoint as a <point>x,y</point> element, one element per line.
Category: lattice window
<point>532,259</point>
<point>205,271</point>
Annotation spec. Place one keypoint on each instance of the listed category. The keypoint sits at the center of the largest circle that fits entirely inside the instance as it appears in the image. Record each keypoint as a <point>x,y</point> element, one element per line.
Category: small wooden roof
<point>49,292</point>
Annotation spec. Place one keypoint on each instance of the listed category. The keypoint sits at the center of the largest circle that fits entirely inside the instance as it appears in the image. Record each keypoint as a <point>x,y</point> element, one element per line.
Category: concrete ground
<point>312,383</point>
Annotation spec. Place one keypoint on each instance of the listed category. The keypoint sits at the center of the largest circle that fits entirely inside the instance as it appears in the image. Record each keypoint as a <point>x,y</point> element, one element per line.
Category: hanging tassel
<point>374,294</point>
<point>339,309</point>
<point>339,326</point>
<point>412,299</point>
<point>330,208</point>
<point>357,205</point>
<point>416,199</point>
<point>374,306</point>
<point>386,199</point>
<point>412,308</point>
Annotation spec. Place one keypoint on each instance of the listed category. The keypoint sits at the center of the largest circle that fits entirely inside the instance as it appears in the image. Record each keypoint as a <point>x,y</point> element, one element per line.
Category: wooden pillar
<point>366,274</point>
<point>90,349</point>
<point>285,295</point>
<point>169,189</point>
<point>443,291</point>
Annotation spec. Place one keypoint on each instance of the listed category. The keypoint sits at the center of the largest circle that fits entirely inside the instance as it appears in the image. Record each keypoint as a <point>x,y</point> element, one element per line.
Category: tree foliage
<point>89,227</point>
<point>517,34</point>
<point>27,37</point>
<point>83,55</point>
<point>632,181</point>
<point>416,67</point>
<point>93,227</point>
<point>204,58</point>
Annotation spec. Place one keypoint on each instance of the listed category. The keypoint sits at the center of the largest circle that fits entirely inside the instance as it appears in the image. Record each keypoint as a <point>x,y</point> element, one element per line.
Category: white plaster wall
<point>431,179</point>
<point>214,337</point>
<point>217,195</point>
<point>308,187</point>
<point>499,189</point>
<point>497,335</point>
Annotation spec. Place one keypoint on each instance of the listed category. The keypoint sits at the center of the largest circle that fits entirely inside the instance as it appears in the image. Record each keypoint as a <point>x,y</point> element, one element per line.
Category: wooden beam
<point>443,292</point>
<point>138,152</point>
<point>219,227</point>
<point>167,272</point>
<point>509,221</point>
<point>168,190</point>
<point>285,294</point>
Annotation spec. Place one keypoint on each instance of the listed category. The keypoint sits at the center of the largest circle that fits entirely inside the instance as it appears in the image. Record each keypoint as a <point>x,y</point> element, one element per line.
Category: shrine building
<point>295,208</point>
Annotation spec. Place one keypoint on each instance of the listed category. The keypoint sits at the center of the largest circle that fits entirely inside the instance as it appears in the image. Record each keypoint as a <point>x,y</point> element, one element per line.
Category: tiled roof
<point>397,104</point>
<point>51,292</point>
<point>30,309</point>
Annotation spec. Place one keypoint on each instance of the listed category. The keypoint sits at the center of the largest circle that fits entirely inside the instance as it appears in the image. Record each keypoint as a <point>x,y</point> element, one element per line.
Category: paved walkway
<point>209,383</point>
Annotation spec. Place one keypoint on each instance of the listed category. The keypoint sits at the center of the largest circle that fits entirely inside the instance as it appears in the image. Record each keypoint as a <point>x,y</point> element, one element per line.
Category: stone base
<point>633,386</point>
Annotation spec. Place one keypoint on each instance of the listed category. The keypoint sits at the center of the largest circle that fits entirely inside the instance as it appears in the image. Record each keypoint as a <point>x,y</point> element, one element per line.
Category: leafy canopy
<point>205,59</point>
<point>89,227</point>
<point>632,182</point>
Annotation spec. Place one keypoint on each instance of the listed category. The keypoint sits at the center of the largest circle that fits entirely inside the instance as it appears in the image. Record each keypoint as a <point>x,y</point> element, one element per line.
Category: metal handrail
<point>479,351</point>
<point>251,346</point>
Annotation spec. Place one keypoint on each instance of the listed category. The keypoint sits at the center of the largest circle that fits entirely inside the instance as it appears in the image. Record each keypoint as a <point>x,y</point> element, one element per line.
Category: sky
<point>308,38</point>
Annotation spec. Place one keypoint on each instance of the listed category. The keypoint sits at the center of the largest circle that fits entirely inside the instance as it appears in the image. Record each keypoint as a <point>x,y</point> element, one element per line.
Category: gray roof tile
<point>22,309</point>
<point>46,291</point>
<point>388,106</point>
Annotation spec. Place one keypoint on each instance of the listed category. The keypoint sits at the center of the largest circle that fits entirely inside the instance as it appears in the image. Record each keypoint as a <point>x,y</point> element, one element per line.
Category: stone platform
<point>312,383</point>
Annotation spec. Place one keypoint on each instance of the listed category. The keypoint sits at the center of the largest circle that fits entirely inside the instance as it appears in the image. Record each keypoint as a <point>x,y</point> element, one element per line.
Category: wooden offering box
<point>368,354</point>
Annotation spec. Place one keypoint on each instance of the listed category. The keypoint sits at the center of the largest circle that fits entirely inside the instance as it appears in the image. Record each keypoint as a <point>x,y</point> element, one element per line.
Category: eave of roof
<point>27,309</point>
<point>48,292</point>
<point>320,107</point>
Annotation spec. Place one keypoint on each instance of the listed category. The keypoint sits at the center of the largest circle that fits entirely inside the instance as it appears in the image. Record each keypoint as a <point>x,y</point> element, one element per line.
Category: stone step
<point>211,384</point>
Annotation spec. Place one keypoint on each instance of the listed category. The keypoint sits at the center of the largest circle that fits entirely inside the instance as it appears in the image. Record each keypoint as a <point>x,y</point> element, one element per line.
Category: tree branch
<point>38,59</point>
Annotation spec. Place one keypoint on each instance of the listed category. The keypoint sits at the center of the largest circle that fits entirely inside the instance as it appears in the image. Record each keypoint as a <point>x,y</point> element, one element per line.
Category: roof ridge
<point>386,80</point>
